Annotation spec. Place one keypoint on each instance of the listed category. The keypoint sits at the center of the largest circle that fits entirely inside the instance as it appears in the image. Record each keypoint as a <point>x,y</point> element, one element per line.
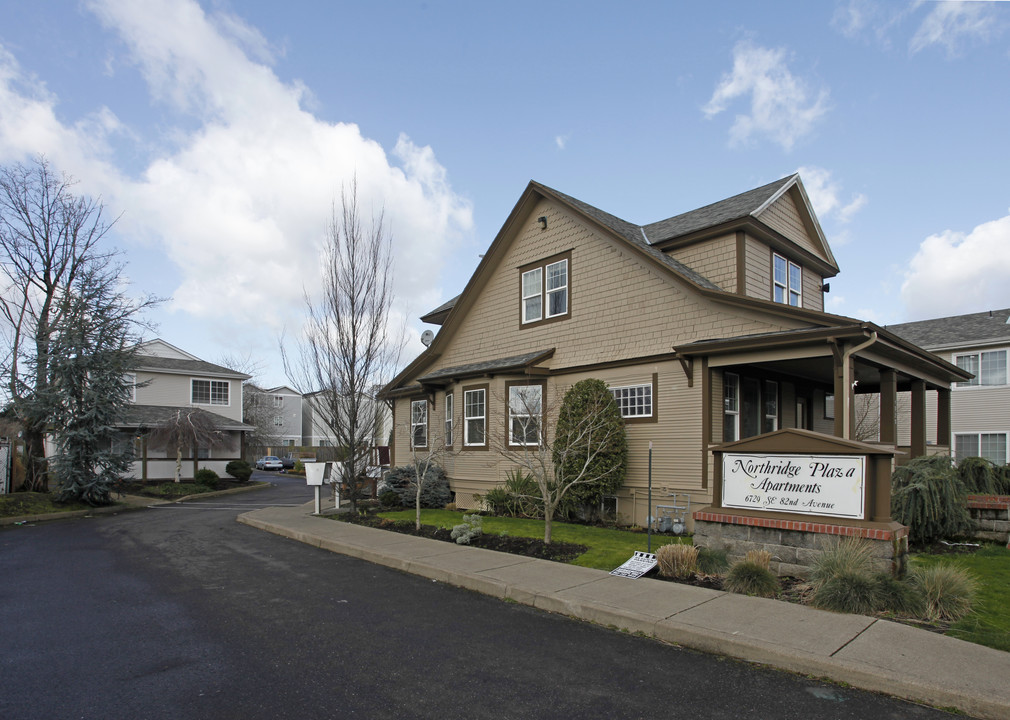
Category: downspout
<point>847,384</point>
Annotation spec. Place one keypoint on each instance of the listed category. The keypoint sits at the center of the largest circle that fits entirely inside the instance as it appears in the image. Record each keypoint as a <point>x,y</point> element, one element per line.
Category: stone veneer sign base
<point>795,544</point>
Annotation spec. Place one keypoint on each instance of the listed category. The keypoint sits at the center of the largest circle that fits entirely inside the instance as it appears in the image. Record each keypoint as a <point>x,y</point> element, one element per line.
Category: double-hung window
<point>209,392</point>
<point>634,401</point>
<point>418,423</point>
<point>448,419</point>
<point>731,407</point>
<point>787,281</point>
<point>989,367</point>
<point>544,289</point>
<point>525,414</point>
<point>991,446</point>
<point>475,417</point>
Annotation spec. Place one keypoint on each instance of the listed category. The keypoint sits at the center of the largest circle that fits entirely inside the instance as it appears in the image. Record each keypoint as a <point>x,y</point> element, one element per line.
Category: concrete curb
<point>864,652</point>
<point>139,503</point>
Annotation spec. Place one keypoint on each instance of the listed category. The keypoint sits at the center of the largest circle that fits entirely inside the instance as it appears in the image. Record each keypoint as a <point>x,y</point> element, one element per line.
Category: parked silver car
<point>269,462</point>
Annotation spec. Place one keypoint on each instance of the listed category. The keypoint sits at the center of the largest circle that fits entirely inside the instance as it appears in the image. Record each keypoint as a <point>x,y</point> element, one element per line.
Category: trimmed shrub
<point>949,591</point>
<point>928,496</point>
<point>239,469</point>
<point>677,560</point>
<point>848,556</point>
<point>469,529</point>
<point>846,591</point>
<point>206,477</point>
<point>590,398</point>
<point>435,492</point>
<point>749,578</point>
<point>712,561</point>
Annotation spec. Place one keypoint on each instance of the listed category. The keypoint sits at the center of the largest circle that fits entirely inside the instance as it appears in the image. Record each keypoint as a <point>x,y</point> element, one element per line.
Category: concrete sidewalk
<point>864,652</point>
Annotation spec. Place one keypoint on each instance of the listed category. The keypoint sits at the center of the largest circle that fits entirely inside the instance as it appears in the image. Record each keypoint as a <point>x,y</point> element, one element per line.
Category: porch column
<point>841,405</point>
<point>888,407</point>
<point>918,423</point>
<point>943,417</point>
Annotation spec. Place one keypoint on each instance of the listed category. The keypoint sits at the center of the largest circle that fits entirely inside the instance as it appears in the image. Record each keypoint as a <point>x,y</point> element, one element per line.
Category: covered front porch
<point>856,382</point>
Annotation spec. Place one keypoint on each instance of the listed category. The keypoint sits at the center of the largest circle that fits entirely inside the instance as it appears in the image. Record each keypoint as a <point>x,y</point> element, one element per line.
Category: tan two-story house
<point>708,327</point>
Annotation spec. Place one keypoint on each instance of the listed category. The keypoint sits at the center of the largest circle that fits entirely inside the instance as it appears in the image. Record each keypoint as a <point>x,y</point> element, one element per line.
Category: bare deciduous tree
<point>48,237</point>
<point>425,454</point>
<point>560,462</point>
<point>257,406</point>
<point>187,428</point>
<point>347,350</point>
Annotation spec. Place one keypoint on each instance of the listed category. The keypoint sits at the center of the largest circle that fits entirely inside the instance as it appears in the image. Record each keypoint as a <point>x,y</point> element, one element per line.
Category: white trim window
<point>557,288</point>
<point>209,392</point>
<point>991,446</point>
<point>989,367</point>
<point>634,401</point>
<point>475,417</point>
<point>731,407</point>
<point>787,281</point>
<point>525,410</point>
<point>131,382</point>
<point>532,297</point>
<point>448,419</point>
<point>418,423</point>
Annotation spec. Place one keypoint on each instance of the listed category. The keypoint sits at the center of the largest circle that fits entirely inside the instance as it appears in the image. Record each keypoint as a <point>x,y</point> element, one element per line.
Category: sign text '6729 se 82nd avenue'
<point>807,484</point>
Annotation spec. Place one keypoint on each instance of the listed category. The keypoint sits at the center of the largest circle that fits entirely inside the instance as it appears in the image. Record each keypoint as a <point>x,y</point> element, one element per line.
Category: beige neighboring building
<point>708,327</point>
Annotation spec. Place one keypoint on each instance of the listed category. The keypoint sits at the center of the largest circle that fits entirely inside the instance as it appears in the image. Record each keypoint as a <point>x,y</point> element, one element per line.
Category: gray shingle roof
<point>152,415</point>
<point>957,329</point>
<point>180,365</point>
<point>734,208</point>
<point>488,366</point>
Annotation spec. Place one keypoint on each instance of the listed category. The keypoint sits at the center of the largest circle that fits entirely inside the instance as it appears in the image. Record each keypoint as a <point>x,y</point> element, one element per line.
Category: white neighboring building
<point>279,411</point>
<point>316,432</point>
<point>166,380</point>
<point>979,408</point>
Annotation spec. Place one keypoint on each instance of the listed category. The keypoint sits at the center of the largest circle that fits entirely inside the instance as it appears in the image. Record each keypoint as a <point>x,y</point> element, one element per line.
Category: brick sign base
<point>795,544</point>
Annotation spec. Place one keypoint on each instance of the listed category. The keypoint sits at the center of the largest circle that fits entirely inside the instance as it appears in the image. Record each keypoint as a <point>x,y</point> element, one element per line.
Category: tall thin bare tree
<point>347,349</point>
<point>48,237</point>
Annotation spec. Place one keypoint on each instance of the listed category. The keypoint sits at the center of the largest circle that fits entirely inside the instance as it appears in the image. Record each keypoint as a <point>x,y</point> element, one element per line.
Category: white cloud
<point>825,195</point>
<point>953,24</point>
<point>240,203</point>
<point>561,141</point>
<point>782,107</point>
<point>953,273</point>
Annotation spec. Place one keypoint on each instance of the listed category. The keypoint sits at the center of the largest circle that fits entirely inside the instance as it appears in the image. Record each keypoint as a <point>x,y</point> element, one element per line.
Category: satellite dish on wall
<point>426,337</point>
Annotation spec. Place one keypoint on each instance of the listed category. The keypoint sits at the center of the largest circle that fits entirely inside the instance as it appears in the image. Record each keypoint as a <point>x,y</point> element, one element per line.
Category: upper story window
<point>544,289</point>
<point>209,392</point>
<point>419,423</point>
<point>278,400</point>
<point>131,382</point>
<point>989,367</point>
<point>787,281</point>
<point>634,401</point>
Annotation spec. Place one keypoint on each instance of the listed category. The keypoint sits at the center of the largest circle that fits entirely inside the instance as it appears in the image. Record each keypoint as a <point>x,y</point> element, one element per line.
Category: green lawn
<point>34,503</point>
<point>989,624</point>
<point>608,548</point>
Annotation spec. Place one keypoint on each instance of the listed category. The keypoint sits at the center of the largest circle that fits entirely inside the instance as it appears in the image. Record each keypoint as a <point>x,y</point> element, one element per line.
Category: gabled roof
<point>178,366</point>
<point>747,206</point>
<point>972,329</point>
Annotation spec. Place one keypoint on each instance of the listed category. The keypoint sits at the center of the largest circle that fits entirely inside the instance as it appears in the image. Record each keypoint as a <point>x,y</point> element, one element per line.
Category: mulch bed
<point>530,547</point>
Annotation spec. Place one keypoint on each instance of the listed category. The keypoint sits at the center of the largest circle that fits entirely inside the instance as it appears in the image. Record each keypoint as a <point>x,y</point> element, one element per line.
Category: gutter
<point>846,382</point>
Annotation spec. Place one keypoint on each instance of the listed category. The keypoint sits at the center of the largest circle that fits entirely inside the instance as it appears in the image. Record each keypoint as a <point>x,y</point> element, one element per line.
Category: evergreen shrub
<point>928,496</point>
<point>206,477</point>
<point>469,529</point>
<point>980,476</point>
<point>435,492</point>
<point>239,469</point>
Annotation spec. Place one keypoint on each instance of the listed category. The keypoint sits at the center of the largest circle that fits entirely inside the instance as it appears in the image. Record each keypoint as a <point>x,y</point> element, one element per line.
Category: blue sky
<point>221,132</point>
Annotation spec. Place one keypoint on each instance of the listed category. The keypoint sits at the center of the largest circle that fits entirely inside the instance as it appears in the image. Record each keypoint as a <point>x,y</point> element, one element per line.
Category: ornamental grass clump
<point>759,557</point>
<point>949,591</point>
<point>846,591</point>
<point>751,578</point>
<point>677,560</point>
<point>712,561</point>
<point>849,556</point>
<point>898,596</point>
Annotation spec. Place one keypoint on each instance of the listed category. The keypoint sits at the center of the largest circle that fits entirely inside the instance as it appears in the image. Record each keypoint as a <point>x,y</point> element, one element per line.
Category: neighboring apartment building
<point>980,407</point>
<point>168,379</point>
<point>277,415</point>
<point>708,326</point>
<point>315,427</point>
